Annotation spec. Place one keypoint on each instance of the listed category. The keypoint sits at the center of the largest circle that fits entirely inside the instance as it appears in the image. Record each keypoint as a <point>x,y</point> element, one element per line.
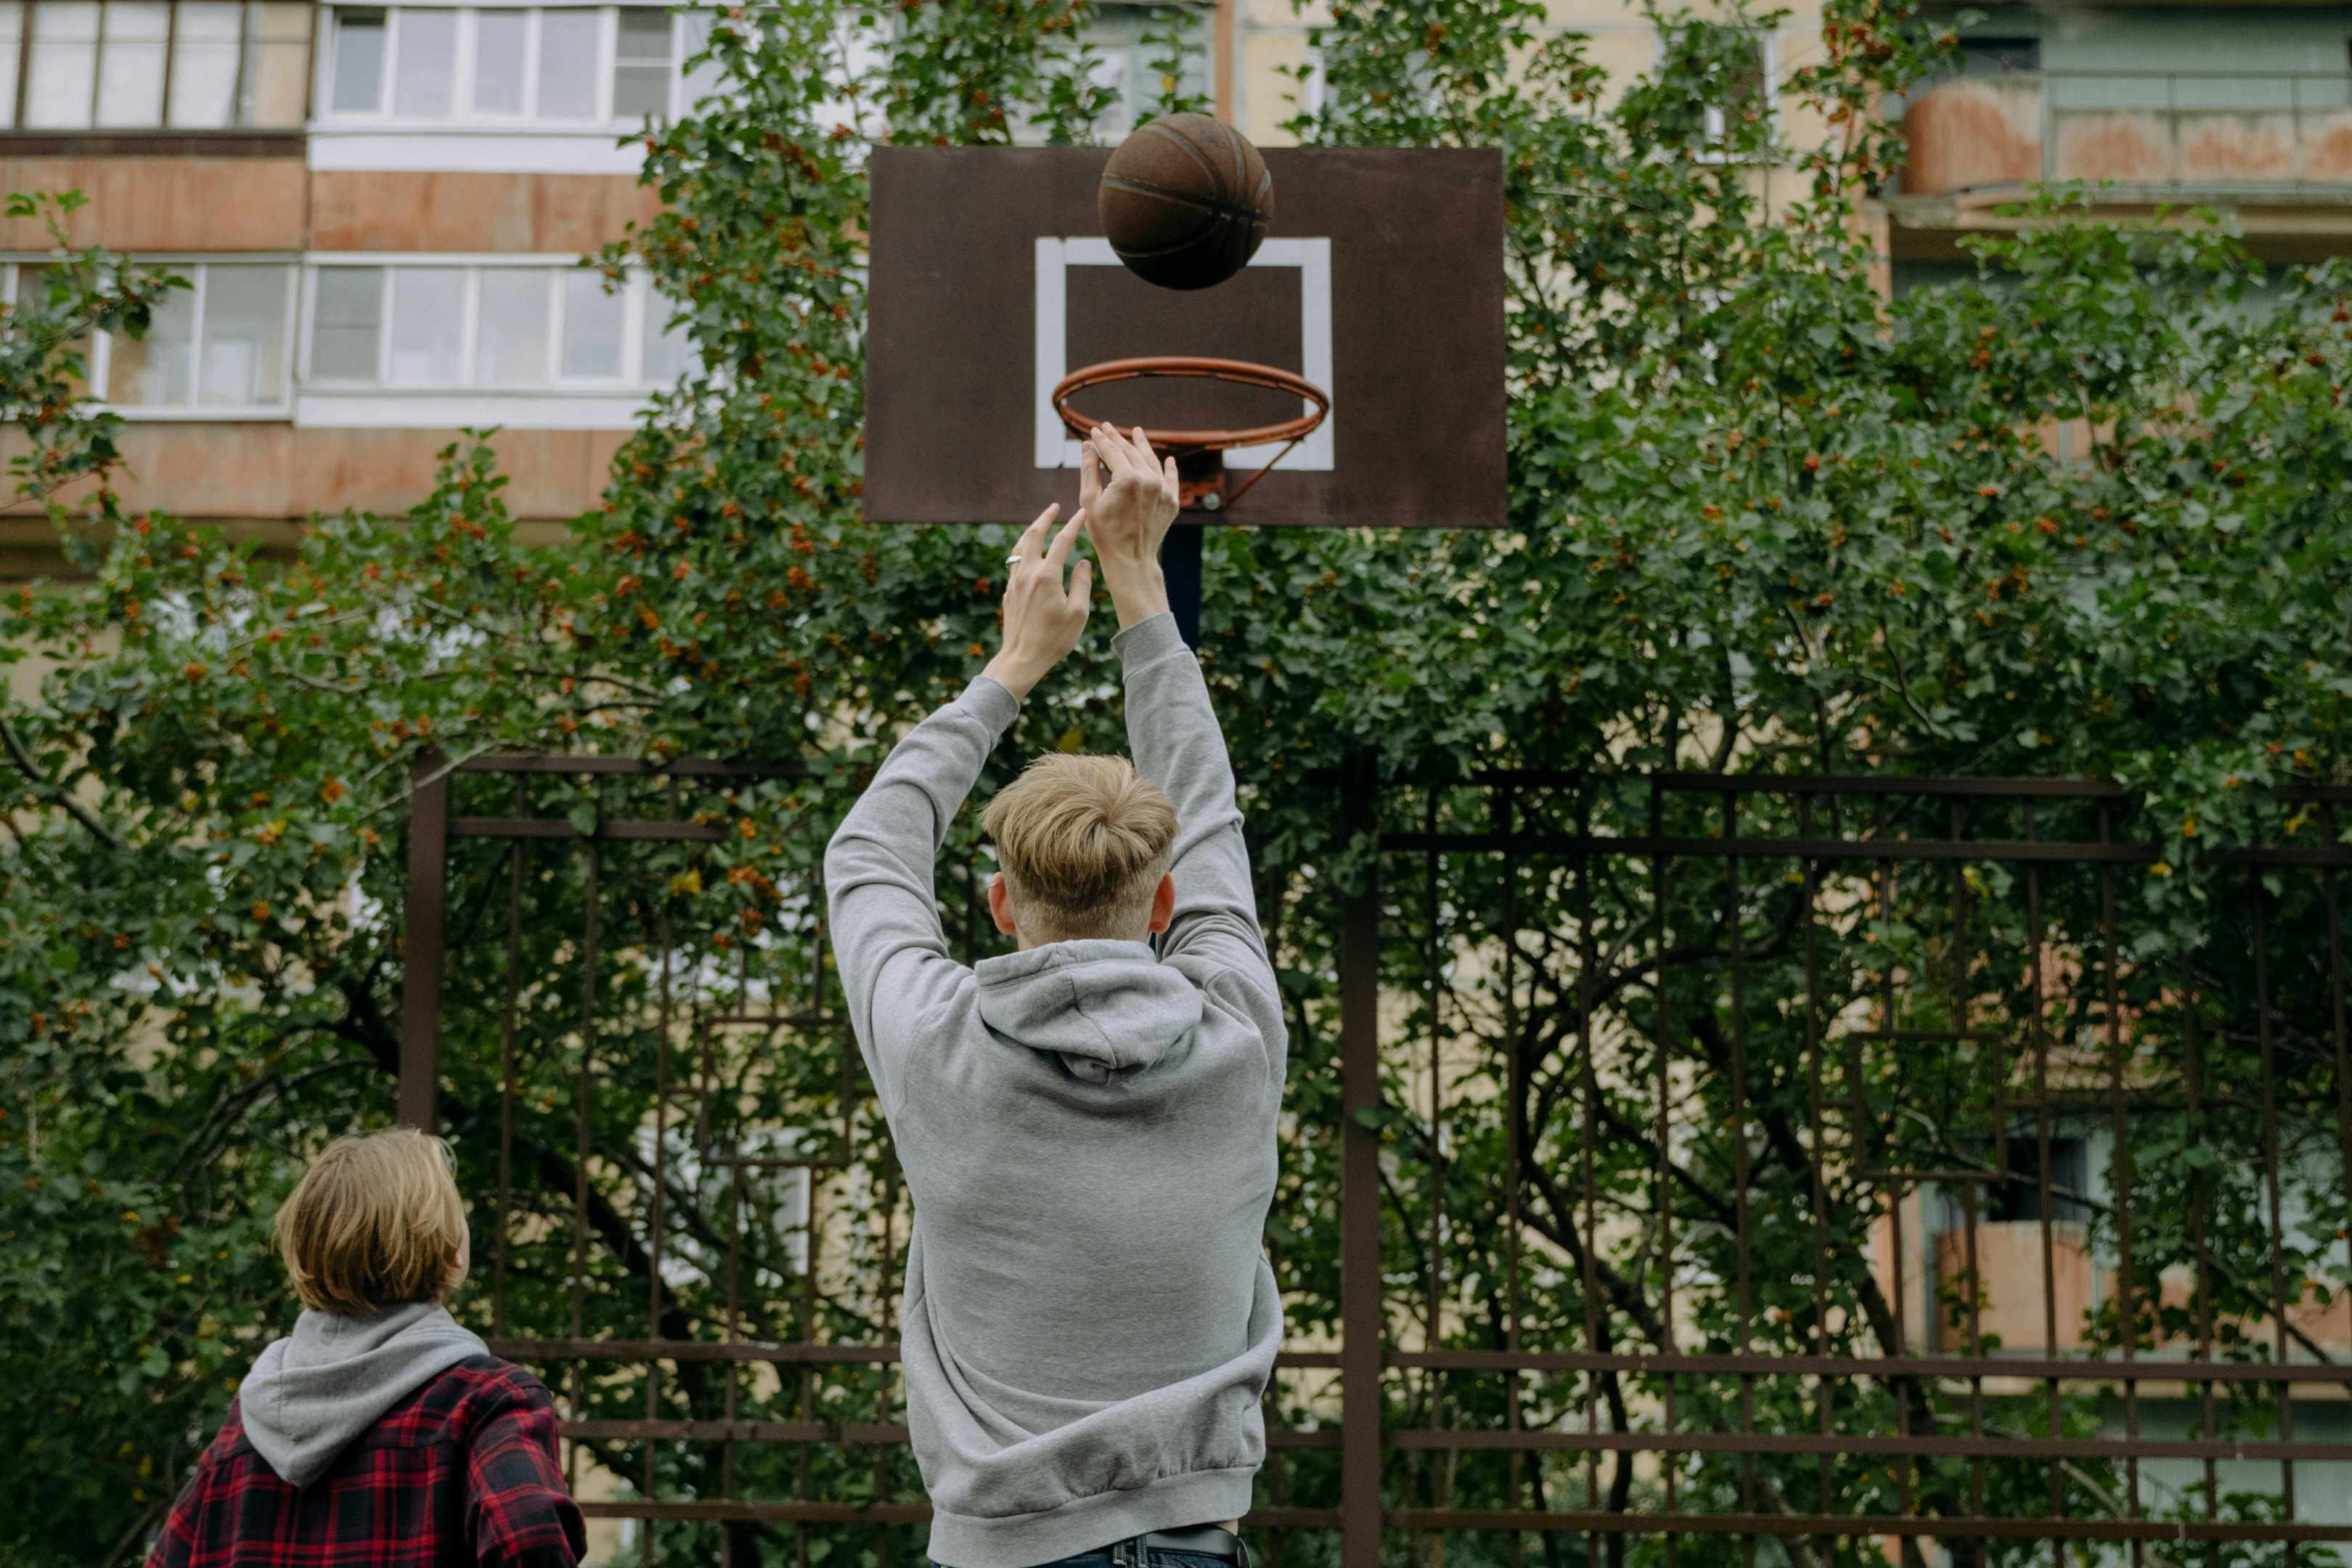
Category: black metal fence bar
<point>1853,850</point>
<point>2139,1367</point>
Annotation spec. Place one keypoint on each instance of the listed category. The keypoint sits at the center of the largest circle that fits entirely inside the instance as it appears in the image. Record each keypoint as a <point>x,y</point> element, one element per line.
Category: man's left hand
<point>1043,618</point>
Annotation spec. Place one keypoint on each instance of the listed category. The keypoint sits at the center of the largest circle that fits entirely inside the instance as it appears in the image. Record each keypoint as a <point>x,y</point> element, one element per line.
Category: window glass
<point>425,63</point>
<point>498,40</point>
<point>702,80</point>
<point>276,63</point>
<point>594,324</point>
<point>429,326</point>
<point>666,349</point>
<point>203,63</point>
<point>513,347</point>
<point>641,64</point>
<point>64,64</point>
<point>1990,57</point>
<point>12,33</point>
<point>346,333</point>
<point>33,283</point>
<point>568,47</point>
<point>154,372</point>
<point>359,61</point>
<point>1741,95</point>
<point>131,64</point>
<point>244,354</point>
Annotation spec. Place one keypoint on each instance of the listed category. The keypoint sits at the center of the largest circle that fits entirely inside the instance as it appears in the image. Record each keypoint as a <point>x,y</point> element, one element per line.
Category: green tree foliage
<point>2085,518</point>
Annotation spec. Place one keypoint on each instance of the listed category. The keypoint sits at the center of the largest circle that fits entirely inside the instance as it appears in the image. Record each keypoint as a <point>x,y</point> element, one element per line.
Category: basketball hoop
<point>1200,467</point>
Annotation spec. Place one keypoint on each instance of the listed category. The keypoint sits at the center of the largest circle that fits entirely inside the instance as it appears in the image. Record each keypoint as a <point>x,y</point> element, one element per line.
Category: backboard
<point>1380,281</point>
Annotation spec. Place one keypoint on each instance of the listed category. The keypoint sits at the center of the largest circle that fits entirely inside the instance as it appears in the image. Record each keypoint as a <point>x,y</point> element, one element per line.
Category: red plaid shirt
<point>460,1472</point>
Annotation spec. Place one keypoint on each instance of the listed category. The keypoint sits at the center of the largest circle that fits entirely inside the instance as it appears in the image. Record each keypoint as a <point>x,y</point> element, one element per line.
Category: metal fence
<point>1808,1168</point>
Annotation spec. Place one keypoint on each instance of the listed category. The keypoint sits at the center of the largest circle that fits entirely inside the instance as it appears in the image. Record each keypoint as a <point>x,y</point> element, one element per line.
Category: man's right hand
<point>1129,498</point>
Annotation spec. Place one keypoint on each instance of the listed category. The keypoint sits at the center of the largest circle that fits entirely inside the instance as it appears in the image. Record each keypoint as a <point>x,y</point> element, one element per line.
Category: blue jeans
<point>1133,1553</point>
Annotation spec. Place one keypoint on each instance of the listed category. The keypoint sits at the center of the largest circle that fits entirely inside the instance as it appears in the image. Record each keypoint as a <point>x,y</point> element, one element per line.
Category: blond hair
<point>375,1221</point>
<point>1084,841</point>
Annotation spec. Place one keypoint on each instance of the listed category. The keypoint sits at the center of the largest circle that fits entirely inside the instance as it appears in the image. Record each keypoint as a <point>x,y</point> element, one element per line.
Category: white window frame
<point>194,267</point>
<point>470,55</point>
<point>558,402</point>
<point>637,295</point>
<point>1769,39</point>
<point>325,33</point>
<point>1129,19</point>
<point>464,67</point>
<point>683,47</point>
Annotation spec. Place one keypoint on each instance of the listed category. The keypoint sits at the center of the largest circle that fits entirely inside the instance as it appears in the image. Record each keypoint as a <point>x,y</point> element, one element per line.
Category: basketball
<point>1185,201</point>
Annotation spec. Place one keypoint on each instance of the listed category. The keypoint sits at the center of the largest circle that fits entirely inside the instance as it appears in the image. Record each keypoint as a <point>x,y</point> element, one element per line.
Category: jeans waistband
<point>1199,1541</point>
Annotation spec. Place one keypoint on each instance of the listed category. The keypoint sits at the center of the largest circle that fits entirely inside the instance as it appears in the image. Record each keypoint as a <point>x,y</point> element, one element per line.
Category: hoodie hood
<point>310,1393</point>
<point>1109,1009</point>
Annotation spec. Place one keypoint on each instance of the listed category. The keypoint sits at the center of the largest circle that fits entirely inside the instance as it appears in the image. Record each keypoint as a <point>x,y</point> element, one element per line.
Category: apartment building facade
<point>380,206</point>
<point>380,210</point>
<point>2243,108</point>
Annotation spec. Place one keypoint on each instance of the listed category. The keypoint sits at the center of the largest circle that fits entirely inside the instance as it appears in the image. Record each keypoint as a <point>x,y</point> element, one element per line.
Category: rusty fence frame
<point>1364,1352</point>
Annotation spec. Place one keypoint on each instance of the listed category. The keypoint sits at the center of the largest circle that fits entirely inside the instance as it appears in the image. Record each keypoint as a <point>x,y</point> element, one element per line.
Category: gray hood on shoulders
<point>1109,1009</point>
<point>310,1394</point>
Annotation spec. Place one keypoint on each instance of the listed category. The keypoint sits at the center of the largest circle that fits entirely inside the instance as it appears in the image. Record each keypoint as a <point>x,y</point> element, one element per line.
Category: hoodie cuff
<point>992,703</point>
<point>1150,639</point>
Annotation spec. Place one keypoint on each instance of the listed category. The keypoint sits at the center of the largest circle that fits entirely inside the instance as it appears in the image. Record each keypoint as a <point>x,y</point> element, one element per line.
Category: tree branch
<point>57,794</point>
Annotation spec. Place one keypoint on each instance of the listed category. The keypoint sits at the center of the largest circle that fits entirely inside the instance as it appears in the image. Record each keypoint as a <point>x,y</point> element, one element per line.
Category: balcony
<point>2151,136</point>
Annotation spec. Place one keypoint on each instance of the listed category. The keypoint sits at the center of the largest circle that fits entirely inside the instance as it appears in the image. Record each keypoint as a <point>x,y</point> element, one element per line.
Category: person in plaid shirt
<point>380,1434</point>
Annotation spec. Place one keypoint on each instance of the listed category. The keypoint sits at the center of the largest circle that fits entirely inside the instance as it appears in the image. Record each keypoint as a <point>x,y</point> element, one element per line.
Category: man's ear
<point>1000,904</point>
<point>1163,903</point>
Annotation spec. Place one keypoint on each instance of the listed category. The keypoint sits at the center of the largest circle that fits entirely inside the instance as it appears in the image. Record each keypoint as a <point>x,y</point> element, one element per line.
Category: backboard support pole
<point>1179,564</point>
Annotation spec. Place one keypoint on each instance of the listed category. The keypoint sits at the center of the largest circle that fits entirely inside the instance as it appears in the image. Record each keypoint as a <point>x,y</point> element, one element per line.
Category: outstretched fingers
<point>1120,454</point>
<point>1032,543</point>
<point>1105,447</point>
<point>1057,555</point>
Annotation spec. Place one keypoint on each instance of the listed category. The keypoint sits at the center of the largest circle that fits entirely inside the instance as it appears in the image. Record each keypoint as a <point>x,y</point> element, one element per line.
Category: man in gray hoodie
<point>1087,1124</point>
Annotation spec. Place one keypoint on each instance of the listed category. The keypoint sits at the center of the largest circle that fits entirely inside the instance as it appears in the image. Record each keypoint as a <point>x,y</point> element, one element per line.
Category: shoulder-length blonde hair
<point>375,1221</point>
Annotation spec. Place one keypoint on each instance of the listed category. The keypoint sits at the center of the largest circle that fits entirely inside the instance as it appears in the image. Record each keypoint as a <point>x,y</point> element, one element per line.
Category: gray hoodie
<point>310,1393</point>
<point>1088,1133</point>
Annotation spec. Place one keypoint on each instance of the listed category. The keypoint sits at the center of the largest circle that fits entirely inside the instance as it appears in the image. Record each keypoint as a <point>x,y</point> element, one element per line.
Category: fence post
<point>1360,1193</point>
<point>420,983</point>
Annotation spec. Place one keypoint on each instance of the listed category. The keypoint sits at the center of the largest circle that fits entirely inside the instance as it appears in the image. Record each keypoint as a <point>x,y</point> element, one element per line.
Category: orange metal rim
<point>1187,367</point>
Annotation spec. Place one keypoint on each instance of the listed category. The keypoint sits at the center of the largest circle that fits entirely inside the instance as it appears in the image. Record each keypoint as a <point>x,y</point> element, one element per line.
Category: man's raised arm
<point>877,871</point>
<point>1172,729</point>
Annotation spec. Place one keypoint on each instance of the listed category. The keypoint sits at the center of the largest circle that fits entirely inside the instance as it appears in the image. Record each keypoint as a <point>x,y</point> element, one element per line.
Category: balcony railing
<point>2153,132</point>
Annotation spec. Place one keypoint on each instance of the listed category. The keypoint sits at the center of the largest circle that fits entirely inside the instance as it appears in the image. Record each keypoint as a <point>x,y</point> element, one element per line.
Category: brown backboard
<point>1380,280</point>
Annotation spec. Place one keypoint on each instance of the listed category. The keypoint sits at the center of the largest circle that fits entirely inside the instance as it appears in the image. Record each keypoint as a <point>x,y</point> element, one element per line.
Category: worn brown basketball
<point>1185,201</point>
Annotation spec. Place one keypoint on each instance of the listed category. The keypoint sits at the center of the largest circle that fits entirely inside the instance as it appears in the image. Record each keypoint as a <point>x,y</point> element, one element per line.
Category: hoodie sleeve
<point>1177,745</point>
<point>886,941</point>
<point>518,1513</point>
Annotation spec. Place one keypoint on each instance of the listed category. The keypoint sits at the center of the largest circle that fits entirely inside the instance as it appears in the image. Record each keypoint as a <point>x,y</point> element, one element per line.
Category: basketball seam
<point>1189,151</point>
<point>1145,188</point>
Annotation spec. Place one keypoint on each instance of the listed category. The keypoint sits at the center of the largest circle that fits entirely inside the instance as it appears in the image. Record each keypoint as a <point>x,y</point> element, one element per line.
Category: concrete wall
<point>1979,132</point>
<point>1988,131</point>
<point>1269,37</point>
<point>261,470</point>
<point>463,212</point>
<point>273,470</point>
<point>264,470</point>
<point>2010,1267</point>
<point>166,203</point>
